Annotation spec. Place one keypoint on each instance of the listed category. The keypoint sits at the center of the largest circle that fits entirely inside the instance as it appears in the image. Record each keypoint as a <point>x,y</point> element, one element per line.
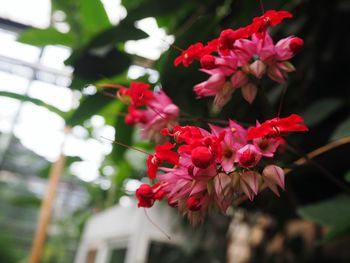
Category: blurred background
<point>53,53</point>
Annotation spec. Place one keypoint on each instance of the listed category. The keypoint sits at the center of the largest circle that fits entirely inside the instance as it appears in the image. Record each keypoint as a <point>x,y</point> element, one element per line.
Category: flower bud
<point>201,157</point>
<point>144,195</point>
<point>193,203</point>
<point>208,62</point>
<point>296,44</point>
<point>249,156</point>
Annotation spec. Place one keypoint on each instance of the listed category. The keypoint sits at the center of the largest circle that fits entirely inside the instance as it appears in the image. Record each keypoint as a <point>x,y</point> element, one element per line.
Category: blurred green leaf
<point>154,8</point>
<point>26,201</point>
<point>334,213</point>
<point>124,172</point>
<point>89,106</point>
<point>320,110</point>
<point>34,101</point>
<point>94,65</point>
<point>122,32</point>
<point>123,134</point>
<point>347,176</point>
<point>49,36</point>
<point>342,130</point>
<point>93,17</point>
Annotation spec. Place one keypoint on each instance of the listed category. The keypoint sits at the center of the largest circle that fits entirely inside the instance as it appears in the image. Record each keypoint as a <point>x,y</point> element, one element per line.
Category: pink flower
<point>233,140</point>
<point>288,47</point>
<point>248,156</point>
<point>210,87</point>
<point>267,146</point>
<point>161,112</point>
<point>276,57</point>
<point>216,86</point>
<point>153,111</point>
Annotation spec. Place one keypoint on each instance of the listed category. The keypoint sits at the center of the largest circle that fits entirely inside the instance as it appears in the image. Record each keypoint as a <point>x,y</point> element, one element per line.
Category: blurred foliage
<point>319,90</point>
<point>333,213</point>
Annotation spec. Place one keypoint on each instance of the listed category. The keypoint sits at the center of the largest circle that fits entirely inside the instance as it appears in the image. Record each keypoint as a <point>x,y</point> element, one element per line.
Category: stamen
<point>114,86</point>
<point>155,225</point>
<point>173,46</point>
<point>109,94</point>
<point>126,146</point>
<point>276,130</point>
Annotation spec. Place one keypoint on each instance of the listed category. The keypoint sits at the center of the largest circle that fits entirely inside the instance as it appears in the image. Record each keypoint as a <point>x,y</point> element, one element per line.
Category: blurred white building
<point>127,235</point>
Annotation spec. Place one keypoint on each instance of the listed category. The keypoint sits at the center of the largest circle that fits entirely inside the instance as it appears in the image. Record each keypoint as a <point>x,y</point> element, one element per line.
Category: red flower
<point>228,37</point>
<point>270,18</point>
<point>146,194</point>
<point>202,157</point>
<point>163,154</point>
<point>134,116</point>
<point>138,92</point>
<point>183,133</point>
<point>193,52</point>
<point>278,126</point>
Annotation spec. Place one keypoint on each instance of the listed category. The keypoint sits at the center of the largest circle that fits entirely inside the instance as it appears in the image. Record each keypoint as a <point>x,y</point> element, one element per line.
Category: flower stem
<point>323,170</point>
<point>262,6</point>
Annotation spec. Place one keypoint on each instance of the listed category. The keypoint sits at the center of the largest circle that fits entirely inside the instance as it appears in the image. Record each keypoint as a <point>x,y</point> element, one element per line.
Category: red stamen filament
<point>126,146</point>
<point>173,46</point>
<point>155,225</point>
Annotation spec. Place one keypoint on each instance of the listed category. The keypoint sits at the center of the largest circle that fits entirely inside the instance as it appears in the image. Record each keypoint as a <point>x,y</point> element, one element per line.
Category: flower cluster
<point>239,59</point>
<point>209,169</point>
<point>152,111</point>
<point>198,170</point>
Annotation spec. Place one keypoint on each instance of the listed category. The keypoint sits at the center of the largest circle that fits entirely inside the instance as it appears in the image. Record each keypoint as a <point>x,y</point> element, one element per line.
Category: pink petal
<point>273,174</point>
<point>249,92</point>
<point>251,179</point>
<point>257,68</point>
<point>246,189</point>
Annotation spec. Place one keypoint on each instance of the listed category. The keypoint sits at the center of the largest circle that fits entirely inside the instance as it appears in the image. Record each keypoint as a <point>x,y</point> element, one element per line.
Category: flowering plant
<point>198,170</point>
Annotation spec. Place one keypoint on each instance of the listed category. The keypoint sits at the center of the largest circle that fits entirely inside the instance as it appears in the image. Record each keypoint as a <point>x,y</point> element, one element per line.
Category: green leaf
<point>26,201</point>
<point>154,8</point>
<point>90,106</point>
<point>337,232</point>
<point>93,17</point>
<point>347,176</point>
<point>123,134</point>
<point>334,213</point>
<point>32,100</point>
<point>320,110</point>
<point>49,36</point>
<point>94,66</point>
<point>122,32</point>
<point>342,130</point>
<point>124,172</point>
